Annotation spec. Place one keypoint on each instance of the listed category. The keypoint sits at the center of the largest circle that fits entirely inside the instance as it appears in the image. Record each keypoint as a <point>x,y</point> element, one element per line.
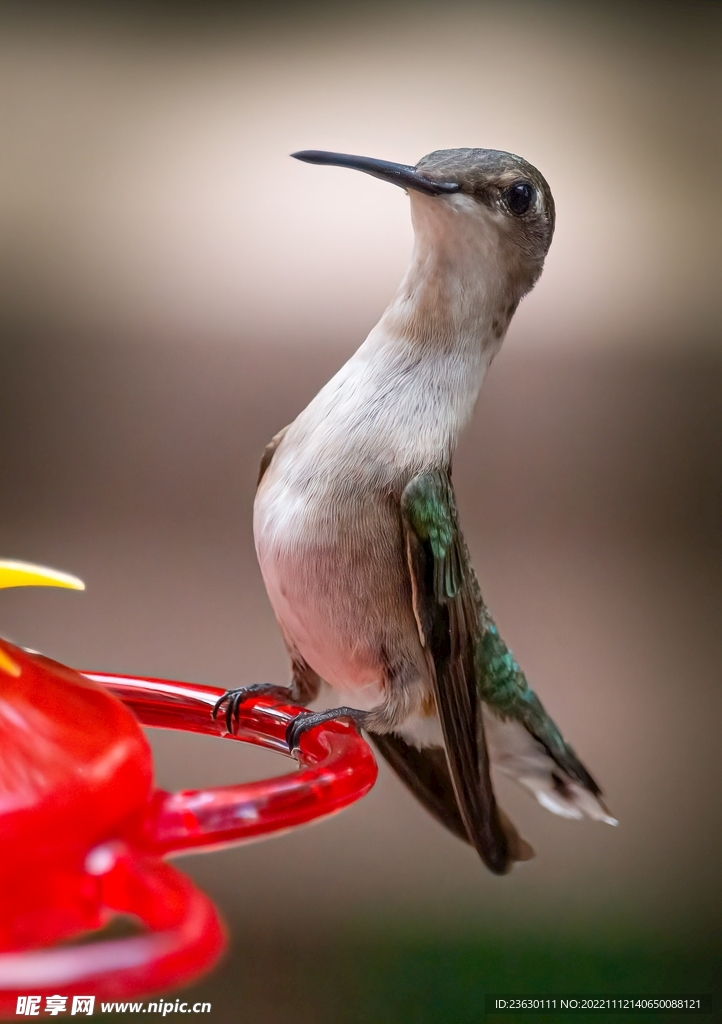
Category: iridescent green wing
<point>447,614</point>
<point>504,687</point>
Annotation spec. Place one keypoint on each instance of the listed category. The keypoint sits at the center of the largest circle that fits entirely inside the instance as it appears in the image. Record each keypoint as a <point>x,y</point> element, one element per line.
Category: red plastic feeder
<point>82,830</point>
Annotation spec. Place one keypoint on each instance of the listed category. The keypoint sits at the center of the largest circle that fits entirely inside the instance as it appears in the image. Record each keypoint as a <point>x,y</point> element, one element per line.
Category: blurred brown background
<point>175,289</point>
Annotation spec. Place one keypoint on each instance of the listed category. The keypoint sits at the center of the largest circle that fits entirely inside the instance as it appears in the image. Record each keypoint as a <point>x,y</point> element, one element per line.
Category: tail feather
<point>517,754</point>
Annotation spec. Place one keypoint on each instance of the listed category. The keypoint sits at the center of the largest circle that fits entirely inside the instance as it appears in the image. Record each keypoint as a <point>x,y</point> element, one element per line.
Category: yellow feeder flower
<point>25,574</point>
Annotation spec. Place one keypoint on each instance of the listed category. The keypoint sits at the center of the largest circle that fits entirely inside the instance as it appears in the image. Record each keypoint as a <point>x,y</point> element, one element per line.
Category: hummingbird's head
<point>474,204</point>
<point>510,194</point>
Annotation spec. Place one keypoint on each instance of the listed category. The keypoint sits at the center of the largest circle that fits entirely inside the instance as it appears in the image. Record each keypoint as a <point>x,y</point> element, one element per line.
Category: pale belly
<point>336,577</point>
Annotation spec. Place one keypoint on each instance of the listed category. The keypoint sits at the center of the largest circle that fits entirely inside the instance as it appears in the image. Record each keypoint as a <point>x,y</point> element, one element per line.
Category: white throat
<point>450,314</point>
<point>456,292</point>
<point>404,396</point>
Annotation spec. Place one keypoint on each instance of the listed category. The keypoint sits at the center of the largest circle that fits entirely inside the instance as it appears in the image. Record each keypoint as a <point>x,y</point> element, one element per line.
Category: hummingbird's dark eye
<point>519,197</point>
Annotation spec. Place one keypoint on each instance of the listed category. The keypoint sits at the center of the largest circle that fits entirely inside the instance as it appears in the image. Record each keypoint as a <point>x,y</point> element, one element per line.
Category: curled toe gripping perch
<point>82,831</point>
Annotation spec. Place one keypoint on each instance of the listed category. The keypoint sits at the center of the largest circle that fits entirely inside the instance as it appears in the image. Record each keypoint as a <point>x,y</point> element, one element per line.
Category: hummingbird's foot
<point>310,719</point>
<point>234,698</point>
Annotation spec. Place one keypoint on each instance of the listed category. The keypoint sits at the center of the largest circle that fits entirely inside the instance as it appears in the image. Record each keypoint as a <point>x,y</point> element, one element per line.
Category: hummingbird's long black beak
<point>398,174</point>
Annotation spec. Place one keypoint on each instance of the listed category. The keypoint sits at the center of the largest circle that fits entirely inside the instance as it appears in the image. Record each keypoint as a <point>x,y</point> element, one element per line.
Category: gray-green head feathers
<point>511,189</point>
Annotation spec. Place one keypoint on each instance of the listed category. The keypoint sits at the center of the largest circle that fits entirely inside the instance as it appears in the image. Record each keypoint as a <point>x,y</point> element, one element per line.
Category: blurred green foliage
<point>395,979</point>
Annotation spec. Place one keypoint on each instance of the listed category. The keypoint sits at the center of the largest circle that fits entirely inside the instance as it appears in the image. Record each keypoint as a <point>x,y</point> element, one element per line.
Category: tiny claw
<point>232,714</point>
<point>228,699</point>
<point>234,698</point>
<point>217,706</point>
<point>295,729</point>
<point>306,720</point>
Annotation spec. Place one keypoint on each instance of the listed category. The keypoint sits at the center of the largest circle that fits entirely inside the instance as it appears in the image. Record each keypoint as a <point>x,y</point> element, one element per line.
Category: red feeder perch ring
<point>337,766</point>
<point>82,830</point>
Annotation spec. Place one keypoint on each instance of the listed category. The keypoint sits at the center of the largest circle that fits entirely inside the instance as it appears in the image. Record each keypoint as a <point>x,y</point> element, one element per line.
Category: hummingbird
<point>356,525</point>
